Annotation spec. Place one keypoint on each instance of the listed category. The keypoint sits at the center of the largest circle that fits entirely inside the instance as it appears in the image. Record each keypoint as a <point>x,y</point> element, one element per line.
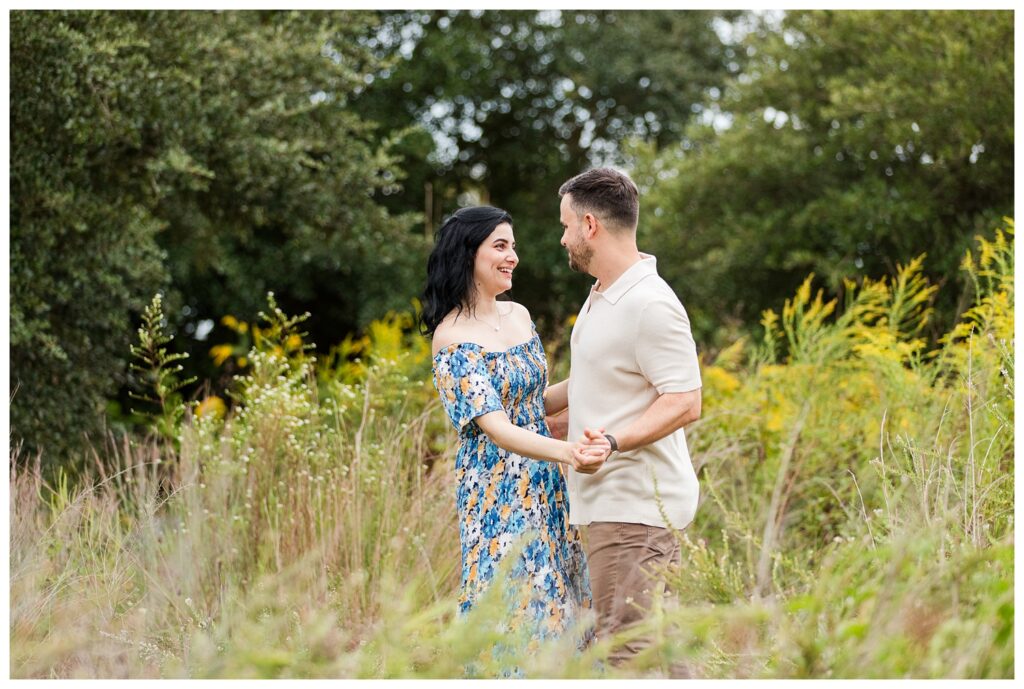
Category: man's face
<point>580,252</point>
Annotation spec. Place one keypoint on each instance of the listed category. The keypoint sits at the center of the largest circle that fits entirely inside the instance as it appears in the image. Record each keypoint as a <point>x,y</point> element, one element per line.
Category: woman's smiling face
<point>495,260</point>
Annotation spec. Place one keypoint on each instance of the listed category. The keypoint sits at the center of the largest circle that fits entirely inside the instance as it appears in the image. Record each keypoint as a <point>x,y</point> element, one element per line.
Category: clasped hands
<point>590,451</point>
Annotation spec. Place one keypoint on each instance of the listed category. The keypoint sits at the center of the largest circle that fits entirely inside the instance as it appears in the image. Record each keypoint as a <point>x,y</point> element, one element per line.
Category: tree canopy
<point>508,105</point>
<point>210,153</point>
<point>851,142</point>
<point>216,156</point>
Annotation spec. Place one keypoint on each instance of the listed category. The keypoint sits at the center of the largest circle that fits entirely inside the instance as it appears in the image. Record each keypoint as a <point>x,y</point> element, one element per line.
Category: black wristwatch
<point>612,441</point>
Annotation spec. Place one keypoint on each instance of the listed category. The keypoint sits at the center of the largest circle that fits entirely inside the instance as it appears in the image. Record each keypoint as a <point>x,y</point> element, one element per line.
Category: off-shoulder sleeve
<point>462,380</point>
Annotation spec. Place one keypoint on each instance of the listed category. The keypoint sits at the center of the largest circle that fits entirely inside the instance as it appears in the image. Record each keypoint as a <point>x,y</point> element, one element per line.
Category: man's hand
<point>558,424</point>
<point>590,453</point>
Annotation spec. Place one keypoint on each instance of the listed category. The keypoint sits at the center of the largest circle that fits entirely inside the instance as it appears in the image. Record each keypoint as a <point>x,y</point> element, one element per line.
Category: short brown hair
<point>607,193</point>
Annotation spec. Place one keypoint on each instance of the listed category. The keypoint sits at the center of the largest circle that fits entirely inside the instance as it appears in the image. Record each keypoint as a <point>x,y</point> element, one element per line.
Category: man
<point>634,377</point>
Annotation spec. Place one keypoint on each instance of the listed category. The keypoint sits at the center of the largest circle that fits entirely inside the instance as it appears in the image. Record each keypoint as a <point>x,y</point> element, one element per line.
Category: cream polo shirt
<point>630,344</point>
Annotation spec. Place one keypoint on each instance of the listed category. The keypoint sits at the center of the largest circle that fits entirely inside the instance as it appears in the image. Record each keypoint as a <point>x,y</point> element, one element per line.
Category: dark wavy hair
<point>450,266</point>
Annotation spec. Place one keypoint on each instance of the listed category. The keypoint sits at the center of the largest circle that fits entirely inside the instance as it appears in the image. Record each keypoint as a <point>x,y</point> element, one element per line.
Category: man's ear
<point>590,225</point>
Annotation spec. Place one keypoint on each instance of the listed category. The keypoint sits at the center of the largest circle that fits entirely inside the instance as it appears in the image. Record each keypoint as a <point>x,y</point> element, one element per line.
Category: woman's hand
<point>591,451</point>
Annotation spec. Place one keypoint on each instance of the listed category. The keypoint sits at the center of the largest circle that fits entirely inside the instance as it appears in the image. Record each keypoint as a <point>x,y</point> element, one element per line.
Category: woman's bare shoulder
<point>517,310</point>
<point>448,332</point>
<point>521,315</point>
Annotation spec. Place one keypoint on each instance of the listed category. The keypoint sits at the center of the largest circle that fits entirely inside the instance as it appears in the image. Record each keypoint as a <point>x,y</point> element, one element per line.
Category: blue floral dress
<point>504,499</point>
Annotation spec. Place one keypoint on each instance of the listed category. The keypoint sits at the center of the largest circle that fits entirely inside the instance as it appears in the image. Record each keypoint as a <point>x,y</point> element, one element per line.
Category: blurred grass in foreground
<point>857,515</point>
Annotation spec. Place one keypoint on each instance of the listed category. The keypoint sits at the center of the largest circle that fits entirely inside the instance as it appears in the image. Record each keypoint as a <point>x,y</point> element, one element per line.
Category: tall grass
<point>858,512</point>
<point>856,516</point>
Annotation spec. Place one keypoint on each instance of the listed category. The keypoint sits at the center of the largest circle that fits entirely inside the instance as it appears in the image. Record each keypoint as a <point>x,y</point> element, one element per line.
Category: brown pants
<point>620,557</point>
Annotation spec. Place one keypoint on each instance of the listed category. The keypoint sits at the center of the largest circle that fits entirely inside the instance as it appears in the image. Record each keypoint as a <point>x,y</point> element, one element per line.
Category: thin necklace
<point>496,327</point>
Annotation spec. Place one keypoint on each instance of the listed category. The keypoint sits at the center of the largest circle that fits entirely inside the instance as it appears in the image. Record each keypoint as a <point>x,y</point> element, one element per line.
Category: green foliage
<point>860,496</point>
<point>212,155</point>
<point>158,371</point>
<point>856,470</point>
<point>84,255</point>
<point>510,104</point>
<point>281,504</point>
<point>287,200</point>
<point>856,519</point>
<point>851,142</point>
<point>215,156</point>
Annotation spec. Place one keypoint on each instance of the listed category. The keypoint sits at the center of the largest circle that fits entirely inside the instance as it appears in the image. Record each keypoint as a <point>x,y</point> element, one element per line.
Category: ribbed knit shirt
<point>630,344</point>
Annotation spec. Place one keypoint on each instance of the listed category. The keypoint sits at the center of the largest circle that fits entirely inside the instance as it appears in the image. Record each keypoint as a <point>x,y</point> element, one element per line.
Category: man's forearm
<point>669,413</point>
<point>556,397</point>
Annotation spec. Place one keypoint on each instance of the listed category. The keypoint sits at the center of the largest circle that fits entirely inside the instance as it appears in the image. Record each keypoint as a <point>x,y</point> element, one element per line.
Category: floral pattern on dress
<point>506,501</point>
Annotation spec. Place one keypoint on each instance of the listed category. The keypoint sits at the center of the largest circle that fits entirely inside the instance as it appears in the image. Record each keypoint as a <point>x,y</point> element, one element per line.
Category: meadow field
<point>856,517</point>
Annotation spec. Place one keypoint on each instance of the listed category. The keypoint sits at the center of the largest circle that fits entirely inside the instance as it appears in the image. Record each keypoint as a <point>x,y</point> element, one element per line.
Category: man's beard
<point>579,256</point>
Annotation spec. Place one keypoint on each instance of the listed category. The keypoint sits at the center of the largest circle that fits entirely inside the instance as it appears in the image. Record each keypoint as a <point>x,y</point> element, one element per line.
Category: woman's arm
<point>556,398</point>
<point>508,436</point>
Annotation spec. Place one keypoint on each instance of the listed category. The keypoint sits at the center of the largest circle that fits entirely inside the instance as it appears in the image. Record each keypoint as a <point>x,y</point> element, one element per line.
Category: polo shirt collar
<point>645,267</point>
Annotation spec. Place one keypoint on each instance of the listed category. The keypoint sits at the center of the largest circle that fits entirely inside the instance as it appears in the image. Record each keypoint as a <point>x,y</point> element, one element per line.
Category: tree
<point>510,104</point>
<point>211,154</point>
<point>851,142</point>
<point>84,255</point>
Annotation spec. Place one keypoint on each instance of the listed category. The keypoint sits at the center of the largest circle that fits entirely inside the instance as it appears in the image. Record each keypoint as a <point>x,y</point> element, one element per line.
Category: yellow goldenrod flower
<point>212,406</point>
<point>718,381</point>
<point>220,353</point>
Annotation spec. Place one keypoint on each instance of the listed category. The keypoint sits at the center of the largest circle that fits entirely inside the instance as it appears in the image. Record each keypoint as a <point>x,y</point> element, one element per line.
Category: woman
<point>490,371</point>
